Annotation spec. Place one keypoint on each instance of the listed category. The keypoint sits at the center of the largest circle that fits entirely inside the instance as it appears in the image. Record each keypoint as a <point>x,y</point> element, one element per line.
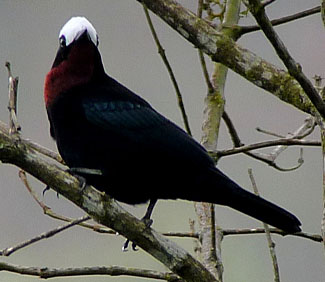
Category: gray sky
<point>29,40</point>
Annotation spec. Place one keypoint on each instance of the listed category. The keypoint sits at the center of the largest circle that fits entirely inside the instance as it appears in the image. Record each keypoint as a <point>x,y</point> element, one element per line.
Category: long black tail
<point>230,194</point>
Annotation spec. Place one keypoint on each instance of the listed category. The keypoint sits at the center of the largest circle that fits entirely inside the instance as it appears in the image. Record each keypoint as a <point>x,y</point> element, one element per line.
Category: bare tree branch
<point>275,22</point>
<point>269,159</point>
<point>313,237</point>
<point>8,251</point>
<point>99,205</point>
<point>221,48</point>
<point>162,53</point>
<point>265,144</point>
<point>304,130</point>
<point>270,133</point>
<point>23,177</point>
<point>49,212</point>
<point>257,10</point>
<point>248,231</point>
<point>46,272</point>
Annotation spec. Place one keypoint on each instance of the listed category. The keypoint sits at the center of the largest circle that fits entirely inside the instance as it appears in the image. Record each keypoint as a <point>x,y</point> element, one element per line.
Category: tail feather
<point>230,194</point>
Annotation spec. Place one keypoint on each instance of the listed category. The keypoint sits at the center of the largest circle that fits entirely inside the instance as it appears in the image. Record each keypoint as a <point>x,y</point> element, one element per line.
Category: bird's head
<point>77,60</point>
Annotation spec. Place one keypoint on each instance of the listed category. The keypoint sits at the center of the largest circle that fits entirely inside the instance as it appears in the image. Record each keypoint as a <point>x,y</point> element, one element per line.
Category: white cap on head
<point>75,27</point>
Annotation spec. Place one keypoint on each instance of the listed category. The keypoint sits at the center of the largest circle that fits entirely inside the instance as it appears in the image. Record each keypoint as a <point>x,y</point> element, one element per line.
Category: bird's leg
<point>47,188</point>
<point>126,245</point>
<point>146,220</point>
<point>82,181</point>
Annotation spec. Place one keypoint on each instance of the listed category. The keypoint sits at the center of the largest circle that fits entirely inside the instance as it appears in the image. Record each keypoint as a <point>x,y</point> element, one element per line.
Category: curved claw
<point>47,188</point>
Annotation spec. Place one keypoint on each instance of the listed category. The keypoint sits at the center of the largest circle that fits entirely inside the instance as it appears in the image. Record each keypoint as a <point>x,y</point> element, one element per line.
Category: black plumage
<point>101,125</point>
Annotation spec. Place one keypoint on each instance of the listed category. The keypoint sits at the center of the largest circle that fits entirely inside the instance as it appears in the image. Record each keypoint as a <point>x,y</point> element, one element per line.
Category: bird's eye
<point>62,41</point>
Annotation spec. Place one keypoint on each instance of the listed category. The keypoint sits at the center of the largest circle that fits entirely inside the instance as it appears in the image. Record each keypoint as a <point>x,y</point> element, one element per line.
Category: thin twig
<point>249,231</point>
<point>269,159</point>
<point>275,22</point>
<point>201,55</point>
<point>205,72</point>
<point>267,2</point>
<point>232,130</point>
<point>265,144</point>
<point>237,143</point>
<point>46,272</point>
<point>8,251</point>
<point>304,130</point>
<point>23,177</point>
<point>270,242</point>
<point>270,133</point>
<point>48,211</point>
<point>162,53</point>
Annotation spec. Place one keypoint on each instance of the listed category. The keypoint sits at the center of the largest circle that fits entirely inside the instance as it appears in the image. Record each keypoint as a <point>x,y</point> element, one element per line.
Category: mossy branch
<point>258,11</point>
<point>221,48</point>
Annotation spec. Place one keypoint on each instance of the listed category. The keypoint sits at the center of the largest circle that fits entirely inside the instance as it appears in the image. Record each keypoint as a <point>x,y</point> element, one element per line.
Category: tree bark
<point>221,48</point>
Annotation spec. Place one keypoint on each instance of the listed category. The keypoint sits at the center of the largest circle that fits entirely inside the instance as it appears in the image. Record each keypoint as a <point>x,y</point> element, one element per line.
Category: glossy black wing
<point>136,121</point>
<point>123,116</point>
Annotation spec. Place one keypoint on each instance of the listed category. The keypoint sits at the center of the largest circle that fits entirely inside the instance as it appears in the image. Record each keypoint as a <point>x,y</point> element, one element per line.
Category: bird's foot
<point>82,181</point>
<point>76,171</point>
<point>148,222</point>
<point>47,188</point>
<point>126,246</point>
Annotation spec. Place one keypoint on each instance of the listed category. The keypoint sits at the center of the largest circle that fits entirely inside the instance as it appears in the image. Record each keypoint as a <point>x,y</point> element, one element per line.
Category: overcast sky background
<point>29,40</point>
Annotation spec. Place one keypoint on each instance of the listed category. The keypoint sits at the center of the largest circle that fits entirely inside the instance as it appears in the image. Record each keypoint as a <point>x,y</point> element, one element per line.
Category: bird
<point>117,142</point>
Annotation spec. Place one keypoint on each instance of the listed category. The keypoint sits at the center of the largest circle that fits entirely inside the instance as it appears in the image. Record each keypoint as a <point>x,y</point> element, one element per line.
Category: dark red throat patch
<point>76,70</point>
